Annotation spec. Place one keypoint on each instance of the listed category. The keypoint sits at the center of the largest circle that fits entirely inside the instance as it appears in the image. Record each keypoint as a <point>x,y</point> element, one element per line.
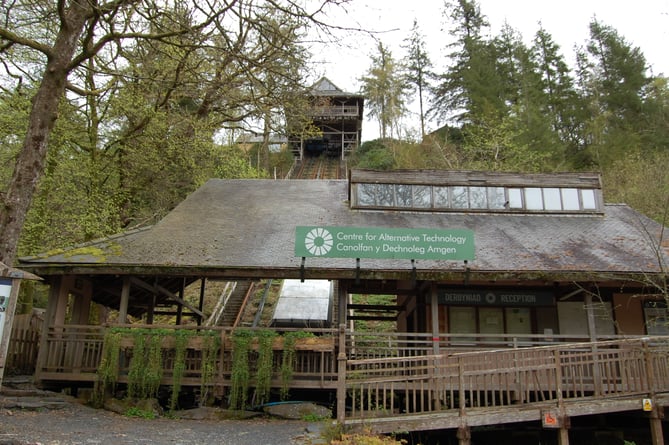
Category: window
<point>533,199</point>
<point>481,198</point>
<point>570,199</point>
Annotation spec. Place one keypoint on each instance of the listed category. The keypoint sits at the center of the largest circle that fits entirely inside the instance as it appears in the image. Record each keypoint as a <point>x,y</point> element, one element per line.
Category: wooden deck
<point>399,382</point>
<point>451,389</point>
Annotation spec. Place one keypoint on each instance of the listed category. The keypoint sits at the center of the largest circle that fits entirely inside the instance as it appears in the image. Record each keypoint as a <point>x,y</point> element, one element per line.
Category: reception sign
<point>494,297</point>
<point>385,243</point>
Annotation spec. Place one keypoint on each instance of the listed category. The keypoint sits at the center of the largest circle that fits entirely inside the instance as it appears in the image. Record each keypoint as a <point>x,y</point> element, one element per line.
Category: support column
<point>125,298</point>
<point>563,435</point>
<point>49,315</point>
<point>341,355</point>
<point>656,434</point>
<point>592,332</point>
<point>434,312</point>
<point>83,295</point>
<point>341,375</point>
<point>464,435</point>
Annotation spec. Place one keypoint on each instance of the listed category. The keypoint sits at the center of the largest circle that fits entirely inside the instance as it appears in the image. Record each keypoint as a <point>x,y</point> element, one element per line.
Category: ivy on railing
<point>179,367</point>
<point>264,365</point>
<point>288,360</point>
<point>148,351</point>
<point>108,368</point>
<point>240,375</point>
<point>146,364</point>
<point>211,345</point>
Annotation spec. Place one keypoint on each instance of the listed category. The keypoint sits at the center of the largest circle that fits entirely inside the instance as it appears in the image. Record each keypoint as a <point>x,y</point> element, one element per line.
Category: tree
<point>613,81</point>
<point>469,85</point>
<point>59,39</point>
<point>418,69</point>
<point>564,107</point>
<point>384,87</point>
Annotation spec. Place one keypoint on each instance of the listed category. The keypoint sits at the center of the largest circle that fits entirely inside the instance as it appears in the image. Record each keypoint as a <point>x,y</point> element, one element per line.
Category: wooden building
<point>337,116</point>
<point>518,297</point>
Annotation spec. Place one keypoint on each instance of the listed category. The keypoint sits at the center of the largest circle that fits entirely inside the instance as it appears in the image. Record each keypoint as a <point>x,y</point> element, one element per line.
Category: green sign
<point>374,242</point>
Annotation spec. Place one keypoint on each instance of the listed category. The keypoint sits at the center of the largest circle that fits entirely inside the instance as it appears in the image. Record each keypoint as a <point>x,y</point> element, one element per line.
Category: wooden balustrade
<point>388,375</point>
<point>403,384</point>
<point>74,352</point>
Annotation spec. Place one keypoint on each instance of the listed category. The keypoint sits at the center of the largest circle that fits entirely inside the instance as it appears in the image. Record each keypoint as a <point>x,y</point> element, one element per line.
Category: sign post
<point>10,280</point>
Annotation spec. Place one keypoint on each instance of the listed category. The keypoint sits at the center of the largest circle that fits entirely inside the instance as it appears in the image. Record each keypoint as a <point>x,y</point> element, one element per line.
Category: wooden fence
<point>24,343</point>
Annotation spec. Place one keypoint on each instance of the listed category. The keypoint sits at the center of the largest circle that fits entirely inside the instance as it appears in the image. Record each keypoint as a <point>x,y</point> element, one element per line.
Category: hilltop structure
<point>337,116</point>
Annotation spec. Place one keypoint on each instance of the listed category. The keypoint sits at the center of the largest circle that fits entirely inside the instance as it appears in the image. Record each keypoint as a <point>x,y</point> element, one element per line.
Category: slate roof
<point>246,228</point>
<point>325,87</point>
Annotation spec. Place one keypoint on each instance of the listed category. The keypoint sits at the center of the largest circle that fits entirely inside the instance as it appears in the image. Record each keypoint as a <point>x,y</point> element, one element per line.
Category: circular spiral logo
<point>318,241</point>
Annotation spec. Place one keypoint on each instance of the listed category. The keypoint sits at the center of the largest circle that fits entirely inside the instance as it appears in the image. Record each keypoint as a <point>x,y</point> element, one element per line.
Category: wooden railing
<point>408,382</point>
<point>341,110</point>
<point>24,343</point>
<point>73,353</point>
<point>390,375</point>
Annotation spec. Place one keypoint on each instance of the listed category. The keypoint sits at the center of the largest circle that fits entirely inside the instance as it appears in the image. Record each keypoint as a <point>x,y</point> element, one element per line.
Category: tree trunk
<point>30,162</point>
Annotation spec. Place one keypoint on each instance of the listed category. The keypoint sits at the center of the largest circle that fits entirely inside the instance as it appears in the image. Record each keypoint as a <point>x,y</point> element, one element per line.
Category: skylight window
<point>562,193</point>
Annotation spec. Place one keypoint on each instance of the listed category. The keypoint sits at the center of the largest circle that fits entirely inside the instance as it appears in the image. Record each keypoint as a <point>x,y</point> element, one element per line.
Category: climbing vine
<point>107,374</point>
<point>288,360</point>
<point>240,376</point>
<point>145,371</point>
<point>211,344</point>
<point>265,366</point>
<point>179,368</point>
<point>146,365</point>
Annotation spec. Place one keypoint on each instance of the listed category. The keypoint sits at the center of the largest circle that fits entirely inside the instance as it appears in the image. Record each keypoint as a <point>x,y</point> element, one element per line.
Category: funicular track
<point>322,167</point>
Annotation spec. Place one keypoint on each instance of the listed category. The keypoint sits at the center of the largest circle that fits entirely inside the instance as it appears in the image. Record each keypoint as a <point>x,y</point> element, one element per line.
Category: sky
<point>643,23</point>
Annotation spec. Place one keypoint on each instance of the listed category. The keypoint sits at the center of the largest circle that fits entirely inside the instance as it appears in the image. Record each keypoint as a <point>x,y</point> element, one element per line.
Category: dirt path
<point>72,423</point>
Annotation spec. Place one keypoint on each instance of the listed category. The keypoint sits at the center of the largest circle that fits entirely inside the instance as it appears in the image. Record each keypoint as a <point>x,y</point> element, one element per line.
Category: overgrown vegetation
<point>240,375</point>
<point>147,363</point>
<point>179,367</point>
<point>107,374</point>
<point>211,345</point>
<point>288,360</point>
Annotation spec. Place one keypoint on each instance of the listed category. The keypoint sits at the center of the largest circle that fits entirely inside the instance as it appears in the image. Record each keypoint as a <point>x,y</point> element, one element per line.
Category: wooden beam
<point>376,307</point>
<point>125,298</point>
<point>371,318</point>
<point>166,292</point>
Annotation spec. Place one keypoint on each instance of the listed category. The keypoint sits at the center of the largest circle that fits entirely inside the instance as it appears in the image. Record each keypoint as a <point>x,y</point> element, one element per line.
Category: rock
<point>124,406</point>
<point>298,411</point>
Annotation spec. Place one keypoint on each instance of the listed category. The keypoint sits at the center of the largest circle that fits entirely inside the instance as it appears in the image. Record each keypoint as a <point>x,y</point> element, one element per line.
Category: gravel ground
<point>74,423</point>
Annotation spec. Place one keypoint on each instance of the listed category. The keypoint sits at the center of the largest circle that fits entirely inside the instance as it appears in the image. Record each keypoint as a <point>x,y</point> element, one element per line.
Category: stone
<point>298,411</point>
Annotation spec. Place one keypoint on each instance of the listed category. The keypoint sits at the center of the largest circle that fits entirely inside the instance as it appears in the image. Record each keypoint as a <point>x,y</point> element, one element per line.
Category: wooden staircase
<point>231,303</point>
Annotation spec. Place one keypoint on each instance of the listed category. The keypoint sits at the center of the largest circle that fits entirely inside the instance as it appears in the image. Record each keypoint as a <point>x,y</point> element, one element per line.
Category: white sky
<point>643,23</point>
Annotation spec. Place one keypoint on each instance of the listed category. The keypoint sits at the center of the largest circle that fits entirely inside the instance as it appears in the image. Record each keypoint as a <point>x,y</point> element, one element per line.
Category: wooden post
<point>657,436</point>
<point>8,308</point>
<point>434,310</point>
<point>464,435</point>
<point>42,355</point>
<point>125,298</point>
<point>596,375</point>
<point>341,375</point>
<point>656,433</point>
<point>563,435</point>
